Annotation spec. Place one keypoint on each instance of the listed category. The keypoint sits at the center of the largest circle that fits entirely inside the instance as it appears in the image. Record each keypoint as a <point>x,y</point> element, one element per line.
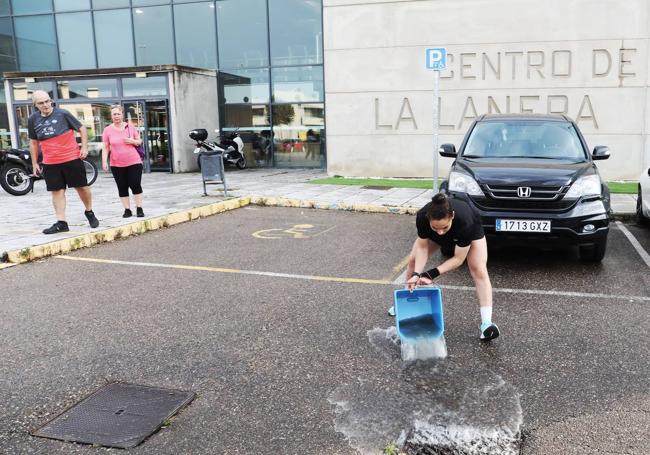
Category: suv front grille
<point>537,193</point>
<point>541,198</point>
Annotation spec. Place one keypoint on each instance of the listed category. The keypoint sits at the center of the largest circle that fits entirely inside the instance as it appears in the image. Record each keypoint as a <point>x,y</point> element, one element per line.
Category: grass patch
<point>391,183</point>
<point>614,187</point>
<point>622,187</point>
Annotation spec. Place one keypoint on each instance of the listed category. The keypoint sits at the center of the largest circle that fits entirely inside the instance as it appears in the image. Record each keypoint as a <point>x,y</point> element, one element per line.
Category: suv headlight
<point>585,186</point>
<point>463,183</point>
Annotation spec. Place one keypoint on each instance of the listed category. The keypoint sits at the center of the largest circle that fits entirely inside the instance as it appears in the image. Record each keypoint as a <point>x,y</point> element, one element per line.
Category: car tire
<point>640,217</point>
<point>594,252</point>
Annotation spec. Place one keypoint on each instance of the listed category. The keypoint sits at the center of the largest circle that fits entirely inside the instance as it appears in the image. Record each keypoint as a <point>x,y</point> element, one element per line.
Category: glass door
<point>151,118</point>
<point>158,135</point>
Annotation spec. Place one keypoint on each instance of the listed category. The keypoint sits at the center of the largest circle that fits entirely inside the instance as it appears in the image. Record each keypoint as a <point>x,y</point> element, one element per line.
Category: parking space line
<point>347,280</point>
<point>635,243</point>
<point>396,277</point>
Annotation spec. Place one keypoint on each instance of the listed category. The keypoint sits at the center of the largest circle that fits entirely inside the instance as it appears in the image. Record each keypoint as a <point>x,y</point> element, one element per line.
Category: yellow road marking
<point>397,270</point>
<point>225,270</point>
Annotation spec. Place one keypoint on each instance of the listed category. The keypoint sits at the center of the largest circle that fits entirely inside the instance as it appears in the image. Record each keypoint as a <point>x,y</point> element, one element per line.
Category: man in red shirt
<point>53,130</point>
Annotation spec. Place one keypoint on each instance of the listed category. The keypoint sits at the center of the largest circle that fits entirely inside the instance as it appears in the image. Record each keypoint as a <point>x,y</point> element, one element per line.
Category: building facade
<point>87,54</point>
<point>335,83</point>
<point>584,58</point>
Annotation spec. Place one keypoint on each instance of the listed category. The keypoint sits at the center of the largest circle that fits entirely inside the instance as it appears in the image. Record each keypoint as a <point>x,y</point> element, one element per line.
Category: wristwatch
<point>418,274</point>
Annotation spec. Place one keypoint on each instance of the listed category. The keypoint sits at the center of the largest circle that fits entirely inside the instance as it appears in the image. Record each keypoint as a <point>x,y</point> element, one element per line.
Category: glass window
<point>244,86</point>
<point>108,54</point>
<point>31,6</point>
<point>36,43</point>
<point>98,4</point>
<point>87,88</point>
<point>71,5</point>
<point>5,135</point>
<point>4,7</point>
<point>254,117</point>
<point>298,84</point>
<point>296,32</point>
<point>23,90</point>
<point>7,55</point>
<point>298,134</point>
<point>145,86</point>
<point>242,42</point>
<point>149,2</point>
<point>76,44</point>
<point>154,43</point>
<point>196,43</point>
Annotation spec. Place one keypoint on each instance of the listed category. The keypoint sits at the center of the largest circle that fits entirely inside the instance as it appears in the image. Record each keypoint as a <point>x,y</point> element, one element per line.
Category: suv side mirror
<point>601,152</point>
<point>448,150</point>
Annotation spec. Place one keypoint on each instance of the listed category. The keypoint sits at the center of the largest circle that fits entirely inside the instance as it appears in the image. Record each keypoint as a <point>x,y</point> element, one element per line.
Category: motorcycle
<point>17,176</point>
<point>230,145</point>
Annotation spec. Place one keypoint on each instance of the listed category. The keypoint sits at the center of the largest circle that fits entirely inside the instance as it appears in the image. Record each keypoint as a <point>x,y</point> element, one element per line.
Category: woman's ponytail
<point>440,207</point>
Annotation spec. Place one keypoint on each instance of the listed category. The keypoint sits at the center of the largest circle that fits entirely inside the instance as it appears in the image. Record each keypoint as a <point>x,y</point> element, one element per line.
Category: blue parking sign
<point>436,58</point>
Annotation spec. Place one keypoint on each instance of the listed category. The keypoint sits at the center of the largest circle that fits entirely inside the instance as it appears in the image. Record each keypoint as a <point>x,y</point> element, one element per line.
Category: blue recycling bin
<point>418,313</point>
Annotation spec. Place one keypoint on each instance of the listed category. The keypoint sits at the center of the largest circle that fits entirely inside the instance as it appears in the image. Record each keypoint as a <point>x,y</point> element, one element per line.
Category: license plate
<point>523,225</point>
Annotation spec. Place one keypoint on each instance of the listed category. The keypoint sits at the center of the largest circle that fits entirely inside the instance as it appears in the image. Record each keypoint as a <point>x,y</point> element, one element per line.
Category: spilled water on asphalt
<point>426,407</point>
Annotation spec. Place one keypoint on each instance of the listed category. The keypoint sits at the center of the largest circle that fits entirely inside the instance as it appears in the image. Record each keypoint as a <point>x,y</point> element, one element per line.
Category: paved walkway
<point>23,218</point>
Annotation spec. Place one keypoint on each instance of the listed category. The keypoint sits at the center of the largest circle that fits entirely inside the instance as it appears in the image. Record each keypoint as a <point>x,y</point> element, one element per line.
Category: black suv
<point>532,179</point>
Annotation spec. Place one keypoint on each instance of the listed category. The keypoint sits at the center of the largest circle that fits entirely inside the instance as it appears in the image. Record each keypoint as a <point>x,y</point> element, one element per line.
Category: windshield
<point>524,139</point>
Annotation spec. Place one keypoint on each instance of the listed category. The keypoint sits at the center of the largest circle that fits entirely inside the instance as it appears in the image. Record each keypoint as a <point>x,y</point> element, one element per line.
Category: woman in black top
<point>453,225</point>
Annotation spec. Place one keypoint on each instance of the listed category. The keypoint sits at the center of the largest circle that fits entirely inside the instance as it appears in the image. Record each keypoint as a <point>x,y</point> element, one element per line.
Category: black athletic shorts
<point>71,174</point>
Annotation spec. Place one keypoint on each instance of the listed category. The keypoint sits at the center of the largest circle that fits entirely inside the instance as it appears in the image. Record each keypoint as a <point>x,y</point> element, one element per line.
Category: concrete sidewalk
<point>22,219</point>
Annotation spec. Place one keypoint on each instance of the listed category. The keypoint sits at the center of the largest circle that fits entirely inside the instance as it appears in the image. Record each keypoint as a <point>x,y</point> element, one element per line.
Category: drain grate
<point>117,415</point>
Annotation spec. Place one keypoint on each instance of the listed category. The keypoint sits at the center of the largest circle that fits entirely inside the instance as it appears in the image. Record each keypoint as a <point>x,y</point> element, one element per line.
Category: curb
<point>35,252</point>
<point>12,258</point>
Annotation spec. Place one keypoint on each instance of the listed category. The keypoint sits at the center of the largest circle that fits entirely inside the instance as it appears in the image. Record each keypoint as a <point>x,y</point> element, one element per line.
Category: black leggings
<point>128,177</point>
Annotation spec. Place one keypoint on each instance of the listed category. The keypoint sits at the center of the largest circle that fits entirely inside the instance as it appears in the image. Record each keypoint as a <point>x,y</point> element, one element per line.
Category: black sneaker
<point>140,212</point>
<point>59,226</point>
<point>127,213</point>
<point>92,219</point>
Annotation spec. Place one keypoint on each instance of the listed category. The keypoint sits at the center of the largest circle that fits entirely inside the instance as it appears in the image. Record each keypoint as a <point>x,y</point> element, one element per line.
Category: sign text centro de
<point>436,58</point>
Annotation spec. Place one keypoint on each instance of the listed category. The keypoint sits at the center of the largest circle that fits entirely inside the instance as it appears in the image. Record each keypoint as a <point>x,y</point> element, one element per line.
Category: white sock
<point>486,314</point>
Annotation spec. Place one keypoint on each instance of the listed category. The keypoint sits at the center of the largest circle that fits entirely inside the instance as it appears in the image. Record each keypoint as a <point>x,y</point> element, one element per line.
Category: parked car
<point>533,180</point>
<point>643,198</point>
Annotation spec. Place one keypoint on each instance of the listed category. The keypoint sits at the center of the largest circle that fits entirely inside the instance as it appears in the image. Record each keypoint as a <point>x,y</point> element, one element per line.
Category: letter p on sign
<point>436,58</point>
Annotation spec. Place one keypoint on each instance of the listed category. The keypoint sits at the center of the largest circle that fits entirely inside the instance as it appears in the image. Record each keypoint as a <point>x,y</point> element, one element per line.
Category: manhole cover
<point>117,415</point>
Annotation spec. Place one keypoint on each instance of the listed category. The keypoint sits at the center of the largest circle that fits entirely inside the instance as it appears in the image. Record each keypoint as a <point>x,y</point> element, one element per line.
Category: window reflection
<point>195,35</point>
<point>36,43</point>
<point>71,5</point>
<point>150,2</point>
<point>244,86</point>
<point>298,134</point>
<point>31,6</point>
<point>4,7</point>
<point>110,3</point>
<point>154,43</point>
<point>243,38</point>
<point>298,84</point>
<point>76,43</point>
<point>144,86</point>
<point>296,32</point>
<point>7,54</point>
<point>108,54</point>
<point>23,90</point>
<point>87,88</point>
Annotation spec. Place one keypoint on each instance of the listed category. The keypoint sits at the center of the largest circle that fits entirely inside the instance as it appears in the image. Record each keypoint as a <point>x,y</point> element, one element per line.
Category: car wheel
<point>640,217</point>
<point>595,252</point>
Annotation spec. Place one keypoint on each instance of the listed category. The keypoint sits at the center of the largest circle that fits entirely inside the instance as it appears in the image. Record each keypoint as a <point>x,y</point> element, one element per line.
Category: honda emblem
<point>524,191</point>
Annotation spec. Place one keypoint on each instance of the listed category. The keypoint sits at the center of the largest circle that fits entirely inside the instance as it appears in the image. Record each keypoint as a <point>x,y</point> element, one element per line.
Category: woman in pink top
<point>120,139</point>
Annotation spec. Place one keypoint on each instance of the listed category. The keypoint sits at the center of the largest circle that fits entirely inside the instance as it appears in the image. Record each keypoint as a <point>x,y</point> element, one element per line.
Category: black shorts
<point>71,174</point>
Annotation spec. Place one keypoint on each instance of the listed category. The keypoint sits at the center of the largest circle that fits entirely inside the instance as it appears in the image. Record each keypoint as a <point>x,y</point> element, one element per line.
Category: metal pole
<point>436,107</point>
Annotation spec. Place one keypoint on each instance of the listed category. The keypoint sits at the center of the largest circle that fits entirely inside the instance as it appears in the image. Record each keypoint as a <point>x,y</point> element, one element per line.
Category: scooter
<point>233,145</point>
<point>16,173</point>
<point>230,145</point>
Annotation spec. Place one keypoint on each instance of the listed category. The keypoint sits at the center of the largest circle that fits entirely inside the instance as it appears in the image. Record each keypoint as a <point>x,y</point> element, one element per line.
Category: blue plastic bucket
<point>418,313</point>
